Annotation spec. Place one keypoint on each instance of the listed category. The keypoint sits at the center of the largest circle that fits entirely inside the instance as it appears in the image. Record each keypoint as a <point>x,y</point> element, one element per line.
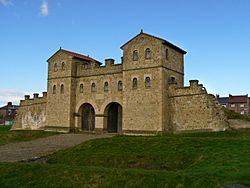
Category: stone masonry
<point>144,93</point>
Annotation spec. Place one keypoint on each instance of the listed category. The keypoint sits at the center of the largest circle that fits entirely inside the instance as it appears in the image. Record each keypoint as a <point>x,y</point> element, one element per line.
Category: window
<point>148,53</point>
<point>62,89</point>
<point>63,66</point>
<point>93,87</point>
<point>106,86</point>
<point>147,82</point>
<point>81,88</point>
<point>167,54</point>
<point>172,79</point>
<point>54,89</point>
<point>120,85</point>
<point>232,105</point>
<point>242,105</point>
<point>55,67</point>
<point>135,55</point>
<point>134,84</point>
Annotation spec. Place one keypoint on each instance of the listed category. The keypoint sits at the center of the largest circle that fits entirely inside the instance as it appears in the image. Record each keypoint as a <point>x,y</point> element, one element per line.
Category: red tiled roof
<point>238,99</point>
<point>80,56</point>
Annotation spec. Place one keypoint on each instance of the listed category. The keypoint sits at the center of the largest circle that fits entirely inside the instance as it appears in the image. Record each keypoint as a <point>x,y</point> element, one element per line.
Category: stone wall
<point>193,109</point>
<point>32,113</point>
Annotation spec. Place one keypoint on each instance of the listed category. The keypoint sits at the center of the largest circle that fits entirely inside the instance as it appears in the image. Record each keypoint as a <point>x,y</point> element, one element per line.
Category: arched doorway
<point>88,117</point>
<point>113,117</point>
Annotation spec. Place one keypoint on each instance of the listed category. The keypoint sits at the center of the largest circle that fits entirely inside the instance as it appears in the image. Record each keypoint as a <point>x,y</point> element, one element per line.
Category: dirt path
<point>32,150</point>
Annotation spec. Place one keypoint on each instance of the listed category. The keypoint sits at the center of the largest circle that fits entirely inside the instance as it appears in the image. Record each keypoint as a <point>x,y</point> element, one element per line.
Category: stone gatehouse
<point>143,93</point>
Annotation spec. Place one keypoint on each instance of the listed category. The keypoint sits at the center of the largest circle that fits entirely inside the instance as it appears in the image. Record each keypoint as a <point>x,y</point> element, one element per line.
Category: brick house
<point>239,103</point>
<point>8,114</point>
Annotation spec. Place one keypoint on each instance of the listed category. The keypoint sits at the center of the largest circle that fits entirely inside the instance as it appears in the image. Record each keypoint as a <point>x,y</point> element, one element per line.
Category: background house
<point>237,103</point>
<point>8,114</point>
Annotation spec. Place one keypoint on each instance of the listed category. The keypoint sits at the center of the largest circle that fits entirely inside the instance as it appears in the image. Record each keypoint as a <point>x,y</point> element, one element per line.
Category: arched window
<point>134,84</point>
<point>55,67</point>
<point>173,79</point>
<point>93,87</point>
<point>167,54</point>
<point>120,85</point>
<point>106,86</point>
<point>62,89</point>
<point>135,55</point>
<point>148,53</point>
<point>63,66</point>
<point>54,89</point>
<point>147,82</point>
<point>81,88</point>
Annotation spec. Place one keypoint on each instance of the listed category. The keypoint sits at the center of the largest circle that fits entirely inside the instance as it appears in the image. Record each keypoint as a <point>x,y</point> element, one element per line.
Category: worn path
<point>35,149</point>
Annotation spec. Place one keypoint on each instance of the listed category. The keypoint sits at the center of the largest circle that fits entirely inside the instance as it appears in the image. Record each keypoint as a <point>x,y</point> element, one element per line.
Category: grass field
<point>7,136</point>
<point>184,160</point>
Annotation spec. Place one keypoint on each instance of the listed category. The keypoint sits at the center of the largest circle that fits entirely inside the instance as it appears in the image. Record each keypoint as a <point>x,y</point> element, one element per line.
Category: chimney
<point>9,104</point>
<point>36,95</point>
<point>109,62</point>
<point>26,97</point>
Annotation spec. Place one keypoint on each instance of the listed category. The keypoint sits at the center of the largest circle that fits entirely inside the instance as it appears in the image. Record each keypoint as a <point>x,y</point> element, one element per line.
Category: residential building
<point>8,114</point>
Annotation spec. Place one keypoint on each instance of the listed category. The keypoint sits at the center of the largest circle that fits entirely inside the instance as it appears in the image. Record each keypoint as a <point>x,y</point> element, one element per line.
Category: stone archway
<point>113,117</point>
<point>87,114</point>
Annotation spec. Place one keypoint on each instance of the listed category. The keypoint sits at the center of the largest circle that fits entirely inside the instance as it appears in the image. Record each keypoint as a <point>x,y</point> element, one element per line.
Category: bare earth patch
<point>26,151</point>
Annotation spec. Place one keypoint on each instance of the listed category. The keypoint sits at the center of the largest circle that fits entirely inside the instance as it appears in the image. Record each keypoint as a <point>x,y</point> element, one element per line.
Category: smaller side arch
<point>87,117</point>
<point>113,118</point>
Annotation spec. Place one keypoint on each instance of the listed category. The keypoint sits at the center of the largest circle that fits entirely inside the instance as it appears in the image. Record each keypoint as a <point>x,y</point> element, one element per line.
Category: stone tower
<point>149,64</point>
<point>62,72</point>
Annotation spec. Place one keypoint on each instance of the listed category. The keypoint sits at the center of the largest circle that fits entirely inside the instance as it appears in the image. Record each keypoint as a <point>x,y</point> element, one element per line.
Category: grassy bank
<point>184,160</point>
<point>234,115</point>
<point>7,136</point>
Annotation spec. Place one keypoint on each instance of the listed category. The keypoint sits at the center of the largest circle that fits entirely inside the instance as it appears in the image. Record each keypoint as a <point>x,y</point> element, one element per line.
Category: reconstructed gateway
<point>144,93</point>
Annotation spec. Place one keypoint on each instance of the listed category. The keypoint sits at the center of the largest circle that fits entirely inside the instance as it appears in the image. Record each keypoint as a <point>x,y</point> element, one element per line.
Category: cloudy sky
<point>215,33</point>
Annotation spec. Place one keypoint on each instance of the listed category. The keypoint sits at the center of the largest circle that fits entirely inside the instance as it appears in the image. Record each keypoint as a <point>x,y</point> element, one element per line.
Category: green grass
<point>7,136</point>
<point>183,160</point>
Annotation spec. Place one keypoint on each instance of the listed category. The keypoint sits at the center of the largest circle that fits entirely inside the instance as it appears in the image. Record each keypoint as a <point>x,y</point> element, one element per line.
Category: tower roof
<point>75,55</point>
<point>163,41</point>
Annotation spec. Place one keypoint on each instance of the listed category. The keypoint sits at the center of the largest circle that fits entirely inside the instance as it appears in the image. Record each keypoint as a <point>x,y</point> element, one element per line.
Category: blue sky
<point>215,33</point>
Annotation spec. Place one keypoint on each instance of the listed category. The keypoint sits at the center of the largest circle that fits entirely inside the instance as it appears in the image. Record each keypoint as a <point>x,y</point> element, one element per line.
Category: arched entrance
<point>113,117</point>
<point>88,117</point>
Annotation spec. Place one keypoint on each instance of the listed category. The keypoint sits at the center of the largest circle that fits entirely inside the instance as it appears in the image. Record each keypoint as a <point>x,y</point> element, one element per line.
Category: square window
<point>232,105</point>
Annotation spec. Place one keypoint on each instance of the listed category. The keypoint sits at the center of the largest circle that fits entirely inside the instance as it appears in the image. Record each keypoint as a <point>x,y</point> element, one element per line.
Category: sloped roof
<point>238,99</point>
<point>223,100</point>
<point>163,41</point>
<point>75,55</point>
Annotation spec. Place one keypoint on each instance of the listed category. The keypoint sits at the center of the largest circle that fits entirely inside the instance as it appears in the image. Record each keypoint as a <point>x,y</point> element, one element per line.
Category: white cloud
<point>10,96</point>
<point>44,8</point>
<point>6,2</point>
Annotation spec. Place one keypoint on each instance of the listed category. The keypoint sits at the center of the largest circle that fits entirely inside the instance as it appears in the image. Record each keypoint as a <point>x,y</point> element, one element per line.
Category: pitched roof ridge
<point>163,40</point>
<point>79,55</point>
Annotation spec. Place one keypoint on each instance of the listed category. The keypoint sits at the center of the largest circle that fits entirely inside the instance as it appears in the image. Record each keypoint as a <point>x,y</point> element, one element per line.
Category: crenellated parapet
<point>194,88</point>
<point>84,69</point>
<point>193,109</point>
<point>35,100</point>
<point>32,112</point>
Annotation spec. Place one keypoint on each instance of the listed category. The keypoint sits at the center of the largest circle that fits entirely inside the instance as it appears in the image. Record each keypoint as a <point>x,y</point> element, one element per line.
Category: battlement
<point>194,88</point>
<point>35,100</point>
<point>109,68</point>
